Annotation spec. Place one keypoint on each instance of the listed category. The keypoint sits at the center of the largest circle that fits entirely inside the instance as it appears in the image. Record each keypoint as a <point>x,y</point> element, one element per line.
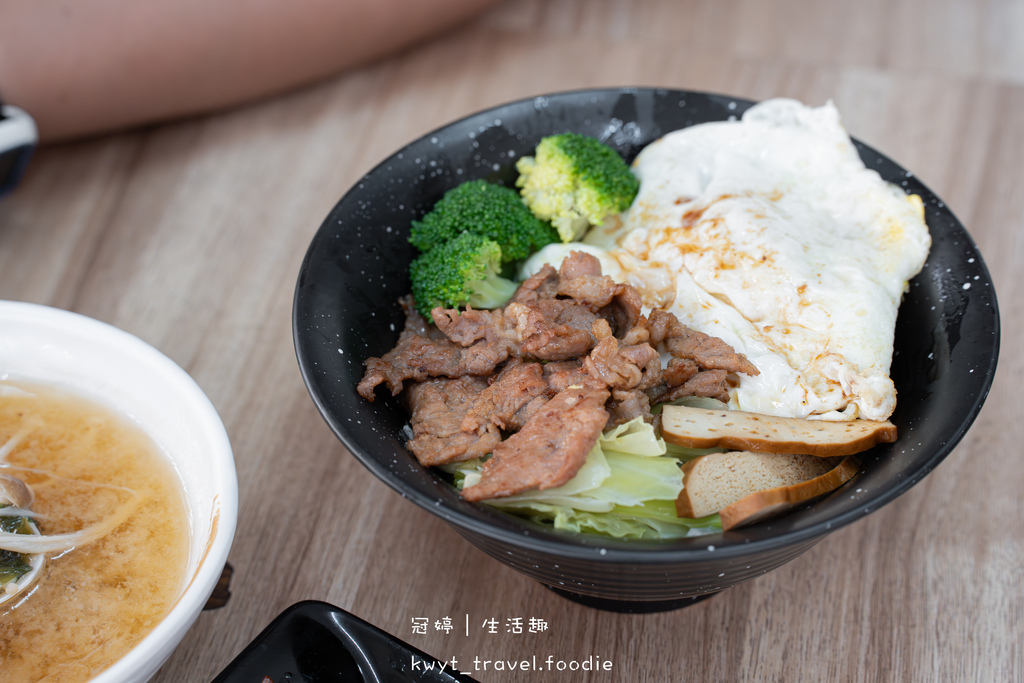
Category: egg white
<point>770,233</point>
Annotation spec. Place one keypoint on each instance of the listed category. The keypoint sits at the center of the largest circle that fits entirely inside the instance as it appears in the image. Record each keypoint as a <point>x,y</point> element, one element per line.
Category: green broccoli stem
<point>462,271</point>
<point>491,292</point>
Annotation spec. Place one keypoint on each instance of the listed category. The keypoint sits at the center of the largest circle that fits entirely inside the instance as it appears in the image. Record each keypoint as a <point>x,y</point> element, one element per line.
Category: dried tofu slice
<point>715,481</point>
<point>764,504</point>
<point>704,428</point>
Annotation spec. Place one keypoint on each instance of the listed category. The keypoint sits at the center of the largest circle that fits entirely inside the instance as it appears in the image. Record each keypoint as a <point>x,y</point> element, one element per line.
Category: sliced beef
<point>593,291</point>
<point>515,386</point>
<point>552,329</point>
<point>439,408</point>
<point>638,334</point>
<point>570,354</point>
<point>541,285</point>
<point>678,371</point>
<point>580,279</point>
<point>564,374</point>
<point>626,405</point>
<point>379,370</point>
<point>684,377</point>
<point>414,322</point>
<point>623,312</point>
<point>684,342</point>
<point>707,383</point>
<point>465,328</point>
<point>549,449</point>
<point>565,312</point>
<point>523,415</point>
<point>419,358</point>
<point>622,367</point>
<point>579,264</point>
<point>545,329</point>
<point>645,357</point>
<point>660,325</point>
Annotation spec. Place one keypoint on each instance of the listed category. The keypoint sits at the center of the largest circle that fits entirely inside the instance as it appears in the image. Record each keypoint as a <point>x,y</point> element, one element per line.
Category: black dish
<point>345,310</point>
<point>313,641</point>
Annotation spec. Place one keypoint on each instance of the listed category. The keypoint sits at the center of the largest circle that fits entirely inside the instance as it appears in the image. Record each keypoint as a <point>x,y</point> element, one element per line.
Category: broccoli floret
<point>485,209</point>
<point>575,181</point>
<point>462,271</point>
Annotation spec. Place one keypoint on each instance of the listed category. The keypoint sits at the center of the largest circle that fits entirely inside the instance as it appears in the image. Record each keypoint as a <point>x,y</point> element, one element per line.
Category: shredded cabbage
<point>626,488</point>
<point>654,520</point>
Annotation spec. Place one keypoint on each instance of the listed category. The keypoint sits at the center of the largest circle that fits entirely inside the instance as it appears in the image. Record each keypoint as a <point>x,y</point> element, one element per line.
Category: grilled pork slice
<point>740,485</point>
<point>439,407</point>
<point>549,449</point>
<point>703,428</point>
<point>513,388</point>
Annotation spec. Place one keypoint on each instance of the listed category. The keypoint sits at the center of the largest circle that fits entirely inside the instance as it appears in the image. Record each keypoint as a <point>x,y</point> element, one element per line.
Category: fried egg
<point>769,232</point>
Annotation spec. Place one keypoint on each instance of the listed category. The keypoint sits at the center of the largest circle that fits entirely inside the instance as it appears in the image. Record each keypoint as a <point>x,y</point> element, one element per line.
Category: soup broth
<point>95,602</point>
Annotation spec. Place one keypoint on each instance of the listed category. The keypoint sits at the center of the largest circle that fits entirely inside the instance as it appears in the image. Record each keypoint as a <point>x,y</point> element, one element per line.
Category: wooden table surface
<point>190,236</point>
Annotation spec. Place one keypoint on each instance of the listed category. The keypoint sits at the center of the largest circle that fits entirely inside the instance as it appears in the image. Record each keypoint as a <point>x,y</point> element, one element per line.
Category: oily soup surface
<point>93,603</point>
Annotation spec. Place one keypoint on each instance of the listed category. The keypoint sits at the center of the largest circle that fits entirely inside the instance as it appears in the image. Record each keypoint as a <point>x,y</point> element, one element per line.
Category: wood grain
<point>190,235</point>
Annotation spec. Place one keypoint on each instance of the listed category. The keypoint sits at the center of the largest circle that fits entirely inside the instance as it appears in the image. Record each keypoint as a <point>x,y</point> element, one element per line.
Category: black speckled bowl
<point>947,341</point>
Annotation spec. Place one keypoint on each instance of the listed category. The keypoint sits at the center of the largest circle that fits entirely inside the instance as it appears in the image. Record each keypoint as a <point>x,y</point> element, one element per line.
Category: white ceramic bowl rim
<point>41,343</point>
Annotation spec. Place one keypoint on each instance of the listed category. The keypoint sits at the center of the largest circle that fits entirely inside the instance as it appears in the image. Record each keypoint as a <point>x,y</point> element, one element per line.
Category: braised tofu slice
<point>744,487</point>
<point>735,429</point>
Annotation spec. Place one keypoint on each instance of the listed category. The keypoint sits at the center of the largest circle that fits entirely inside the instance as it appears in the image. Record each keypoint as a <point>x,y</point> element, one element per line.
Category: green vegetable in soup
<point>13,565</point>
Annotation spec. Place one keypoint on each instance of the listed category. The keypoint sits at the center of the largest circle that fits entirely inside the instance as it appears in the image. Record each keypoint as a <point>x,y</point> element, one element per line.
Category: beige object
<point>14,491</point>
<point>771,502</point>
<point>735,429</point>
<point>744,486</point>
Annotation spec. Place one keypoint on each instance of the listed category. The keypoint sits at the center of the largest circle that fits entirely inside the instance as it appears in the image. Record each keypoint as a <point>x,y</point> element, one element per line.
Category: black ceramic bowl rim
<point>617,551</point>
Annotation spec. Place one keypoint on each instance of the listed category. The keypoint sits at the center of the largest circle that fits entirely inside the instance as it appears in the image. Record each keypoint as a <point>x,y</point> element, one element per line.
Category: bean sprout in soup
<point>91,469</point>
